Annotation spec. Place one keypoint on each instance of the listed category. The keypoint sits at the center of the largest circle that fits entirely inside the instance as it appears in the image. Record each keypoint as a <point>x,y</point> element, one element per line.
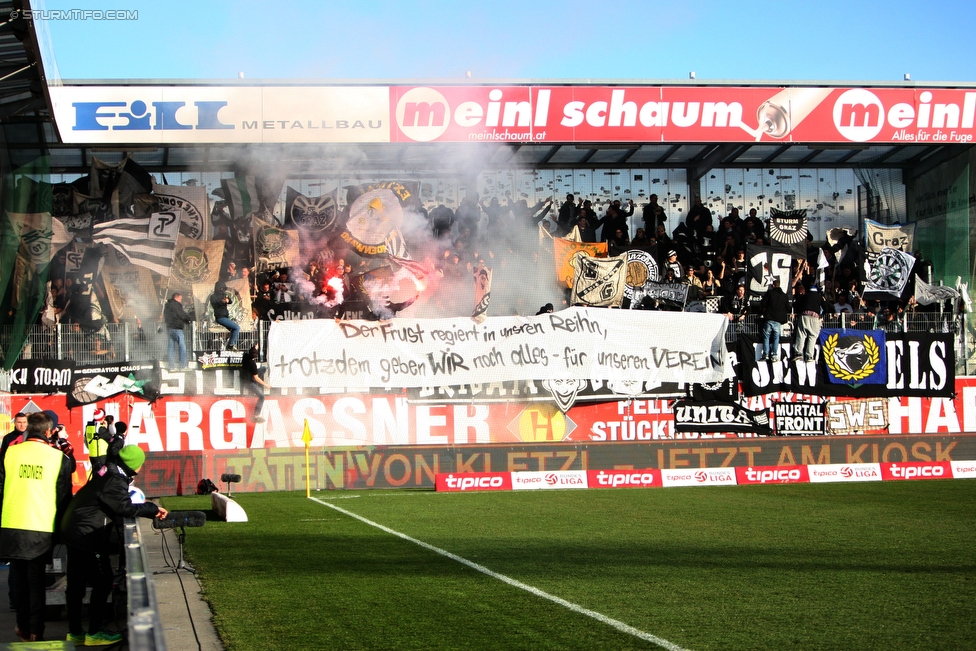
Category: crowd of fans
<point>705,251</point>
<point>709,255</point>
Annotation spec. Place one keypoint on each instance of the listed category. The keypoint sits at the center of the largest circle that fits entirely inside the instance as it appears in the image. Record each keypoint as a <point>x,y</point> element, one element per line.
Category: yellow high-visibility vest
<point>97,446</point>
<point>30,488</point>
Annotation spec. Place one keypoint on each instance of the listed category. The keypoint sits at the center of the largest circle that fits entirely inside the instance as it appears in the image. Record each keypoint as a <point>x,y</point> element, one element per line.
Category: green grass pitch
<point>827,566</point>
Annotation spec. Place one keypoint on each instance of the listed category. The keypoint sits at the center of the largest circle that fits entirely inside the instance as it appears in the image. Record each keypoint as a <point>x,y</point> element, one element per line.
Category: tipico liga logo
<point>858,115</point>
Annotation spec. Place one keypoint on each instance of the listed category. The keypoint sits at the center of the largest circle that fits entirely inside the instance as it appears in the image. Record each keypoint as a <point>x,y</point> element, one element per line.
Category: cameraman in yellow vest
<point>35,489</point>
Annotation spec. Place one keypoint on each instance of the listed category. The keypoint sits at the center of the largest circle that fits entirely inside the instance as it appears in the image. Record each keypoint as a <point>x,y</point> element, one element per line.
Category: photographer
<point>219,301</point>
<point>102,438</point>
<point>92,527</point>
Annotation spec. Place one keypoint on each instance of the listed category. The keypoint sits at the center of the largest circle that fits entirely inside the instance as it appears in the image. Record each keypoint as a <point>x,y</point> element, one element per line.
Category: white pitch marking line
<point>620,626</point>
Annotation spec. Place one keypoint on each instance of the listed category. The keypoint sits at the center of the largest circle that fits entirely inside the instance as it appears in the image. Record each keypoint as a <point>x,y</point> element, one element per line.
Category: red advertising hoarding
<point>637,114</point>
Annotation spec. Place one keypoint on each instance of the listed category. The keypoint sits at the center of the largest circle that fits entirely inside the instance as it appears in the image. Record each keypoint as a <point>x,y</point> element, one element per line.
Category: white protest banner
<point>579,342</point>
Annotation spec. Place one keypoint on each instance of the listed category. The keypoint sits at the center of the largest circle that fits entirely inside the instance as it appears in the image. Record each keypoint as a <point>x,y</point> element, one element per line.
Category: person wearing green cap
<point>91,528</point>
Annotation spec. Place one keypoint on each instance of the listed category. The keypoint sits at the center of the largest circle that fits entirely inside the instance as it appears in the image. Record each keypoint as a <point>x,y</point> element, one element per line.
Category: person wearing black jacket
<point>775,311</point>
<point>219,301</point>
<point>736,307</point>
<point>698,216</point>
<point>568,213</point>
<point>252,379</point>
<point>810,306</point>
<point>91,528</point>
<point>176,318</point>
<point>17,434</point>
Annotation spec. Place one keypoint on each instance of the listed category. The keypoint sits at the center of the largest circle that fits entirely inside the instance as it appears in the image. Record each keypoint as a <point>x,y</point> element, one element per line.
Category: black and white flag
<point>714,416</point>
<point>799,418</point>
<point>788,227</point>
<point>482,293</point>
<point>193,201</point>
<point>766,264</point>
<point>241,195</point>
<point>641,269</point>
<point>926,294</point>
<point>149,243</point>
<point>599,282</point>
<point>668,295</point>
<point>725,391</point>
<point>314,217</point>
<point>888,274</point>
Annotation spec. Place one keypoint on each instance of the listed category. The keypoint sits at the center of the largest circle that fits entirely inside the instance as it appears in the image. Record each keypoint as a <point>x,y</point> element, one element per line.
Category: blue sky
<point>866,40</point>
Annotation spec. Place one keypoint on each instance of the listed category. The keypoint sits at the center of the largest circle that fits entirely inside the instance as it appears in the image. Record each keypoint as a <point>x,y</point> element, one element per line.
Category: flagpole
<point>307,440</point>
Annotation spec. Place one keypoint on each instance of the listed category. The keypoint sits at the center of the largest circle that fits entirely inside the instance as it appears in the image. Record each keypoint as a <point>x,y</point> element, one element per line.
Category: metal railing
<point>145,628</point>
<point>121,342</point>
<point>960,325</point>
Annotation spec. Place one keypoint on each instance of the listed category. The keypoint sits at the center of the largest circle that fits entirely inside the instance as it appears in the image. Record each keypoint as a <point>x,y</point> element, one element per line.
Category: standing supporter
<point>252,380</point>
<point>829,295</point>
<point>735,218</point>
<point>673,265</point>
<point>810,307</point>
<point>536,213</point>
<point>568,212</point>
<point>587,211</point>
<point>283,289</point>
<point>736,307</point>
<point>711,286</point>
<point>586,229</point>
<point>92,527</point>
<point>219,302</point>
<point>499,218</point>
<point>441,220</point>
<point>853,295</point>
<point>842,306</point>
<point>624,214</point>
<point>104,438</point>
<point>698,216</point>
<point>230,272</point>
<point>35,488</point>
<point>653,215</point>
<point>609,221</point>
<point>661,237</point>
<point>694,284</point>
<point>468,215</point>
<point>754,230</point>
<point>775,310</point>
<point>176,318</point>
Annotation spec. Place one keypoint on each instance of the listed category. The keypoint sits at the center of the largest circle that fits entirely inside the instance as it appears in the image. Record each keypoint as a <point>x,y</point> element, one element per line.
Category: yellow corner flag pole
<point>307,439</point>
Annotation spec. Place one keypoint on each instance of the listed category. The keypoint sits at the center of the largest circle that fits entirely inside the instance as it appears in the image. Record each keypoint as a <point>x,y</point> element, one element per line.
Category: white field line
<point>609,621</point>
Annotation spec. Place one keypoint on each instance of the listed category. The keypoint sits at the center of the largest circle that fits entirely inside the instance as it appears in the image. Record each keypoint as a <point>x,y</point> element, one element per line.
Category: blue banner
<point>854,357</point>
